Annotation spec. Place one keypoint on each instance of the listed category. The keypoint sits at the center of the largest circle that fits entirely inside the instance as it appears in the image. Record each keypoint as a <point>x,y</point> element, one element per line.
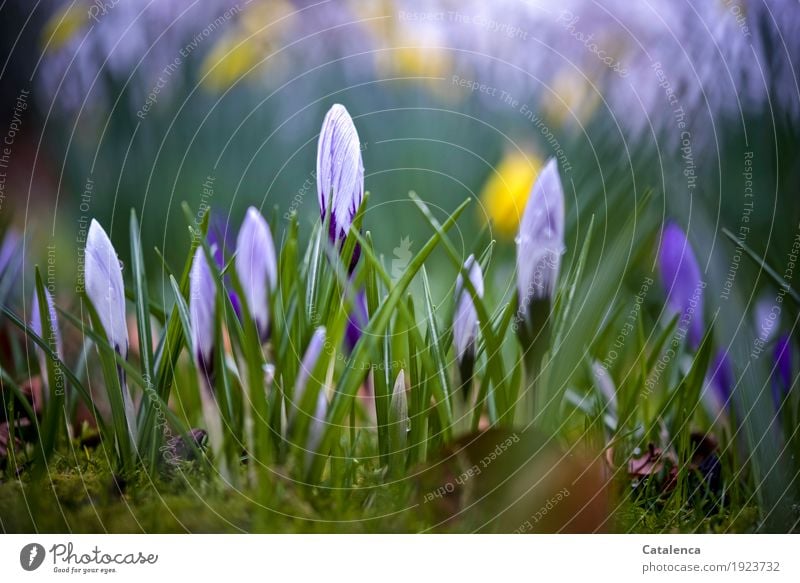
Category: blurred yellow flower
<point>255,37</point>
<point>62,26</point>
<point>406,48</point>
<point>571,99</point>
<point>506,191</point>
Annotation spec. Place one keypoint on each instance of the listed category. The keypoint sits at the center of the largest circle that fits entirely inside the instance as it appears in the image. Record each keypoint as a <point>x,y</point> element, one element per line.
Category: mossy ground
<point>82,496</point>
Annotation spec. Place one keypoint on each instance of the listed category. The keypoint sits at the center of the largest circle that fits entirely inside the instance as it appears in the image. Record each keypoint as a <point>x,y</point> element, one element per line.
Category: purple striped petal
<point>340,171</point>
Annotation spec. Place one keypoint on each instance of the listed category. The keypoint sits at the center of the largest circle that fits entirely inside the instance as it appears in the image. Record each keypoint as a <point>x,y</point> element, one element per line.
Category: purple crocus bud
<point>202,299</point>
<point>307,366</point>
<point>256,267</point>
<point>540,242</point>
<point>465,320</point>
<point>340,171</point>
<point>356,321</point>
<point>682,280</point>
<point>782,380</point>
<point>104,287</point>
<point>36,324</point>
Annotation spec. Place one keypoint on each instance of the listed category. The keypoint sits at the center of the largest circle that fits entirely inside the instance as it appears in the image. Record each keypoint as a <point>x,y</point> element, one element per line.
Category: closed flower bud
<point>104,286</point>
<point>340,171</point>
<point>540,242</point>
<point>256,267</point>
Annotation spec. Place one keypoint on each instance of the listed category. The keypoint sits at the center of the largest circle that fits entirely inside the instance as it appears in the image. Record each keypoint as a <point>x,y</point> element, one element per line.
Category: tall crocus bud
<point>682,281</point>
<point>103,277</point>
<point>465,320</point>
<point>202,304</point>
<point>540,242</point>
<point>106,291</point>
<point>257,267</point>
<point>340,171</point>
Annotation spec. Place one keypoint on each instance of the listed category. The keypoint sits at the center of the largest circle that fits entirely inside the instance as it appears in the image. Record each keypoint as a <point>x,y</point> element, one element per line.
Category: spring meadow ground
<point>391,267</point>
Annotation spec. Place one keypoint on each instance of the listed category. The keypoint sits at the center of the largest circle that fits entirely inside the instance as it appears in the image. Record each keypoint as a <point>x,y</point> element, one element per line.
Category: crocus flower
<point>256,267</point>
<point>682,280</point>
<point>540,242</point>
<point>202,298</point>
<point>106,291</point>
<point>465,320</point>
<point>340,172</point>
<point>103,277</point>
<point>782,380</point>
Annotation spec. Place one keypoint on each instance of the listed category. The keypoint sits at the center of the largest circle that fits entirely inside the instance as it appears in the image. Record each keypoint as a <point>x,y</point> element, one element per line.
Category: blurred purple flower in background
<point>782,380</point>
<point>682,281</point>
<point>220,238</point>
<point>257,267</point>
<point>340,172</point>
<point>718,392</point>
